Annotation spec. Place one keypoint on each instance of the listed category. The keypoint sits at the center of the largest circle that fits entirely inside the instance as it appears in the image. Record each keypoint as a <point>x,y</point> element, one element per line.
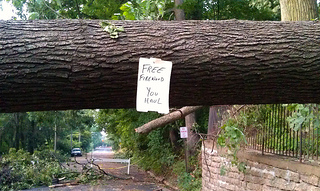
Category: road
<point>139,179</point>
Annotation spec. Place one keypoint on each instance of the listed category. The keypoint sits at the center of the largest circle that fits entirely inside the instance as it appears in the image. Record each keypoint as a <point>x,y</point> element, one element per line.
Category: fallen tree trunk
<point>74,64</point>
<point>166,119</point>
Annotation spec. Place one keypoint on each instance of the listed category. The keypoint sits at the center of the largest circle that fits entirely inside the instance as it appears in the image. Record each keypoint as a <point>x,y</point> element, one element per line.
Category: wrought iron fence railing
<point>276,137</point>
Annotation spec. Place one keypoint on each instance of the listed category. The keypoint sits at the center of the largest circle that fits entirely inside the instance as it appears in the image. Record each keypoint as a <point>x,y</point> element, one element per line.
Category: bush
<point>188,181</point>
<point>21,170</point>
<point>158,156</point>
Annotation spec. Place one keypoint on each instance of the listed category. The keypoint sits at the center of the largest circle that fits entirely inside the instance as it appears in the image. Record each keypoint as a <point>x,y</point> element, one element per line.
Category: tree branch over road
<point>166,119</point>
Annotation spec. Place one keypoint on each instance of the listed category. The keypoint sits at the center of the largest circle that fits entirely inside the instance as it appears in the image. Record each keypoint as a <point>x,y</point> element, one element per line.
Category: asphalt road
<point>138,180</point>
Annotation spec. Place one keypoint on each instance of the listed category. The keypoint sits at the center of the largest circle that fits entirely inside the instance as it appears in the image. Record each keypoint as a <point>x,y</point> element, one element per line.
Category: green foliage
<point>302,113</point>
<point>111,29</point>
<point>128,12</point>
<point>152,152</point>
<point>101,9</point>
<point>62,9</point>
<point>120,125</point>
<point>232,137</point>
<point>318,10</point>
<point>188,181</point>
<point>21,170</point>
<point>149,10</point>
<point>86,139</point>
<point>35,130</point>
<point>157,155</point>
<point>144,10</point>
<point>42,9</point>
<point>232,9</point>
<point>202,118</point>
<point>18,4</point>
<point>90,176</point>
<point>223,170</point>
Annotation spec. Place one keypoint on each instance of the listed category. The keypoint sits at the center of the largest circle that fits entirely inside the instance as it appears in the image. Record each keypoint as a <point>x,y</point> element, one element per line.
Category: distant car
<point>76,152</point>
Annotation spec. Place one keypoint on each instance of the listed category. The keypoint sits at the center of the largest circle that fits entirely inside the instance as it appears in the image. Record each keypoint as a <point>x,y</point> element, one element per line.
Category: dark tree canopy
<point>74,64</point>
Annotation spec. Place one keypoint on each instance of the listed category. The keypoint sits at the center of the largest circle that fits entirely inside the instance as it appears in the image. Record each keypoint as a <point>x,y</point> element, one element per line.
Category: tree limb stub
<point>166,119</point>
<point>74,64</point>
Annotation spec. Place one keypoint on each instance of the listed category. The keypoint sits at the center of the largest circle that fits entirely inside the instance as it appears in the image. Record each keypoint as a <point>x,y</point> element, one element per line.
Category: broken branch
<point>166,119</point>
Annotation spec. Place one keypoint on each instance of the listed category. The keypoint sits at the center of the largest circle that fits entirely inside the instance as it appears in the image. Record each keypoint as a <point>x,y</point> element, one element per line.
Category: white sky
<point>7,11</point>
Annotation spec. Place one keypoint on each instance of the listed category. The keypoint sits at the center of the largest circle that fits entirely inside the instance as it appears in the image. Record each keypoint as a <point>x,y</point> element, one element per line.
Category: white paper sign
<point>153,85</point>
<point>183,132</point>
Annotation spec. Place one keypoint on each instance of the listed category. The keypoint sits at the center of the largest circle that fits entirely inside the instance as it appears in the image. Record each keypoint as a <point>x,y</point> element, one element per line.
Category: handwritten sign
<point>183,132</point>
<point>153,85</point>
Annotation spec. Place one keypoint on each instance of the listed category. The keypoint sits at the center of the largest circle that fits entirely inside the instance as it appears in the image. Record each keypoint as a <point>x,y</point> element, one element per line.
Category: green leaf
<point>120,29</point>
<point>223,170</point>
<point>114,36</point>
<point>242,167</point>
<point>33,16</point>
<point>104,24</point>
<point>221,141</point>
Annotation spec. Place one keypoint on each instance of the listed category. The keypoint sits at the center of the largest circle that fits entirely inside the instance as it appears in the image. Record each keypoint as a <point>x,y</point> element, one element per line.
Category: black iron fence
<point>275,136</point>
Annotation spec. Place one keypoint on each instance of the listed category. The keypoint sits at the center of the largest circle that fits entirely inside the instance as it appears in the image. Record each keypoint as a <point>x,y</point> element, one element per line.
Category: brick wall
<point>264,172</point>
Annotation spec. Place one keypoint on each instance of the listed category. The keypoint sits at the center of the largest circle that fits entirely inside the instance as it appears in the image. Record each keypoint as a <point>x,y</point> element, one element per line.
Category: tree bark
<point>74,64</point>
<point>215,116</point>
<point>298,10</point>
<point>193,138</point>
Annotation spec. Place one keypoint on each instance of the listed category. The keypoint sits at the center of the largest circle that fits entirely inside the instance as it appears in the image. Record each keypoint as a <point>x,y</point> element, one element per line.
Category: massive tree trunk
<point>298,10</point>
<point>74,64</point>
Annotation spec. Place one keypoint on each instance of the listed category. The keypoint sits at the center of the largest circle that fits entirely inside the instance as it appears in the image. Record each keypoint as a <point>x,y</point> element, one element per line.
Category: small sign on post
<point>183,132</point>
<point>153,85</point>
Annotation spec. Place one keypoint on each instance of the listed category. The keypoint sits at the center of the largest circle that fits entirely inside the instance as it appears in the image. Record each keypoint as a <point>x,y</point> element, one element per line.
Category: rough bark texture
<point>166,119</point>
<point>298,10</point>
<point>193,138</point>
<point>74,64</point>
<point>215,117</point>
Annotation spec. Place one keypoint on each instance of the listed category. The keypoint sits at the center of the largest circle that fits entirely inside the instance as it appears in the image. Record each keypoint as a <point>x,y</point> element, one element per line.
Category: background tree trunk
<point>17,131</point>
<point>173,135</point>
<point>298,10</point>
<point>193,138</point>
<point>74,64</point>
<point>31,137</point>
<point>190,119</point>
<point>215,116</point>
<point>179,15</point>
<point>178,12</point>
